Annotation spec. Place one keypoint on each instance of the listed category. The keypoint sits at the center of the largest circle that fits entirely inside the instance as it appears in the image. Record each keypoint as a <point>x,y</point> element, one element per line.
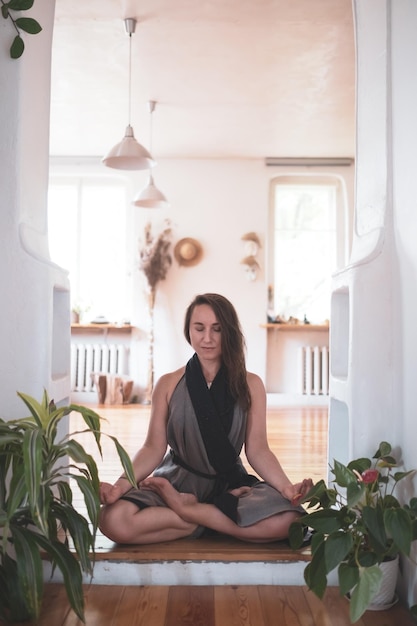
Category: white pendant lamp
<point>129,154</point>
<point>150,197</point>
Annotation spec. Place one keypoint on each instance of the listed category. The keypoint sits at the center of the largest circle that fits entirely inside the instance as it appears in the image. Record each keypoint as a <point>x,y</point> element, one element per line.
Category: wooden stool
<point>112,388</point>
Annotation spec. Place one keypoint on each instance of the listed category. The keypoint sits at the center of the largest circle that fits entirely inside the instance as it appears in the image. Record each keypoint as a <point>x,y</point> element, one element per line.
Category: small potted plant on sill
<point>357,525</point>
<point>36,506</point>
<point>78,311</point>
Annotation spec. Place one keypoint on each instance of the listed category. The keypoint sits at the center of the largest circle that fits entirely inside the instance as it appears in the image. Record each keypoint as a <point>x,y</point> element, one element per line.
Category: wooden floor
<point>298,436</point>
<point>264,605</point>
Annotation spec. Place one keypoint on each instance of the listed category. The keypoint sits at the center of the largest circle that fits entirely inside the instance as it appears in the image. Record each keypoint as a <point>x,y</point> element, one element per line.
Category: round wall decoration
<point>188,251</point>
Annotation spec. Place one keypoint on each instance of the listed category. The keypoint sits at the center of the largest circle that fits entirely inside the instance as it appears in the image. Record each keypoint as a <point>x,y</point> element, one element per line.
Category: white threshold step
<point>210,561</point>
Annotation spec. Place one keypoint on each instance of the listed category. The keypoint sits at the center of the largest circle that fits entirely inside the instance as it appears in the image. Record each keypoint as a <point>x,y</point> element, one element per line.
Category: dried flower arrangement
<point>155,259</point>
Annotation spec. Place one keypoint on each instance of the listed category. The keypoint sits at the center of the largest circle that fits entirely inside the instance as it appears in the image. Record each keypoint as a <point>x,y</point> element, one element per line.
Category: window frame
<point>79,174</point>
<point>341,220</point>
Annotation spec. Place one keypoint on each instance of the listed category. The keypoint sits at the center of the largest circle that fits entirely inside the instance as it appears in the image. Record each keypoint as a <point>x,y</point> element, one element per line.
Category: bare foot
<point>176,500</point>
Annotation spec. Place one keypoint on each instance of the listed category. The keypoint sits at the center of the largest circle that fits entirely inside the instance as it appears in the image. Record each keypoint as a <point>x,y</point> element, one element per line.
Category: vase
<point>385,597</point>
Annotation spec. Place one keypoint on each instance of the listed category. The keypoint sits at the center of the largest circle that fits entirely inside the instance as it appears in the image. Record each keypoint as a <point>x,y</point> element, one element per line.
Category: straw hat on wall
<point>188,252</point>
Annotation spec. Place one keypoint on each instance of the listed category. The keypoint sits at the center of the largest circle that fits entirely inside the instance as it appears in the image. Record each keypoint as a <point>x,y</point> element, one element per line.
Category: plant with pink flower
<point>370,476</point>
<point>357,524</point>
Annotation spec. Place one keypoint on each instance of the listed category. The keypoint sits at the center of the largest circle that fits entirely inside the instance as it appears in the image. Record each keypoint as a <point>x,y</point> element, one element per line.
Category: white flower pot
<point>386,597</point>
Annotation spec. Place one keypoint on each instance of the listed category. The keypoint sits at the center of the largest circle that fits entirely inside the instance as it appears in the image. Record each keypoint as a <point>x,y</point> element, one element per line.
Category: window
<point>87,236</point>
<point>307,243</point>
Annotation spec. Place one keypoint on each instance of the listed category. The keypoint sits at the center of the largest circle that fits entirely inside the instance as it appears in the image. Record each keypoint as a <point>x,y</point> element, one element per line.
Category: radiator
<point>314,370</point>
<point>86,358</point>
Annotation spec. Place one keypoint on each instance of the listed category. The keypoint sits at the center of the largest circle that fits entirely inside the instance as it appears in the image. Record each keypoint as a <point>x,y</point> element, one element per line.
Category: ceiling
<point>231,78</point>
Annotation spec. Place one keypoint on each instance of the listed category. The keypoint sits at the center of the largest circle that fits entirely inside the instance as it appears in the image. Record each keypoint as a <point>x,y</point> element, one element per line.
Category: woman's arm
<point>257,449</point>
<point>154,447</point>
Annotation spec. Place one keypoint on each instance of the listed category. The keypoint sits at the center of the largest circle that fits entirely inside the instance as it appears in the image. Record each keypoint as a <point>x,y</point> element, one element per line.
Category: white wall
<point>404,140</point>
<point>215,202</point>
<point>34,316</point>
<point>374,338</point>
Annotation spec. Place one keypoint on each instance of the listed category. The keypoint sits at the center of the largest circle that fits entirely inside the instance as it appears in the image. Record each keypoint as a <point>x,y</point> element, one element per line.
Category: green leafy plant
<point>26,24</point>
<point>37,514</point>
<point>357,524</point>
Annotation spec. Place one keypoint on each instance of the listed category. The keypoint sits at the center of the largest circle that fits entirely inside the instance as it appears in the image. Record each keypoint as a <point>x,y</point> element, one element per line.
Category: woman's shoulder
<point>167,382</point>
<point>253,379</point>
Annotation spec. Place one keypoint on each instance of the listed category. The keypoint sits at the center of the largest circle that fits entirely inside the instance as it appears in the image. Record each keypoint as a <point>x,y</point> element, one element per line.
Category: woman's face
<point>205,333</point>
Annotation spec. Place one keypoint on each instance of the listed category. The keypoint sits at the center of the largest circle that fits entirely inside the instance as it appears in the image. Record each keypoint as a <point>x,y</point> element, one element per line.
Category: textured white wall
<point>34,335</point>
<point>374,339</point>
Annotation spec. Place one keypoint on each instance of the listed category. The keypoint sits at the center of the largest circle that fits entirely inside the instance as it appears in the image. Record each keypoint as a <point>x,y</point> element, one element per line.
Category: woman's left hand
<point>295,493</point>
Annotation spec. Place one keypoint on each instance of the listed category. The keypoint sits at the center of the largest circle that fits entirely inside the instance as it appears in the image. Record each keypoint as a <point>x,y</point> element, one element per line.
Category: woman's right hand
<point>111,493</point>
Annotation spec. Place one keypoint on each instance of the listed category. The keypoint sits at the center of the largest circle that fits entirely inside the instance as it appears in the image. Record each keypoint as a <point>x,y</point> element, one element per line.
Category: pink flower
<point>370,476</point>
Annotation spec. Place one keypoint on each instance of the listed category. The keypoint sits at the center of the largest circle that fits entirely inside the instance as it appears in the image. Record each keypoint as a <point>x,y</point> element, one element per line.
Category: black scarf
<point>214,411</point>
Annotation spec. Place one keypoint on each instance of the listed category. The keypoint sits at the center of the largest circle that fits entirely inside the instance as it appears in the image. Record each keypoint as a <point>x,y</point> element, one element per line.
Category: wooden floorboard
<point>228,605</point>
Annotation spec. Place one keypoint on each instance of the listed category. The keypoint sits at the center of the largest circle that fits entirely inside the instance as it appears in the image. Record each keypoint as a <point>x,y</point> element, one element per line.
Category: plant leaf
<point>91,499</point>
<point>315,573</point>
<point>337,546</point>
<point>78,528</point>
<point>17,47</point>
<point>360,465</point>
<point>125,461</point>
<point>17,492</point>
<point>65,491</point>
<point>348,577</point>
<point>20,5</point>
<point>369,583</point>
<point>325,521</point>
<point>29,25</point>
<point>13,606</point>
<point>79,455</point>
<point>343,475</point>
<point>63,558</point>
<point>32,458</point>
<point>398,524</point>
<point>296,535</point>
<point>400,475</point>
<point>93,421</point>
<point>383,450</point>
<point>29,568</point>
<point>354,493</point>
<point>40,414</point>
<point>374,522</point>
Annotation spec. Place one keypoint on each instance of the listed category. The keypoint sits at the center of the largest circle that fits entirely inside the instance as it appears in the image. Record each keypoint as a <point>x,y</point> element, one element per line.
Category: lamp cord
<point>130,79</point>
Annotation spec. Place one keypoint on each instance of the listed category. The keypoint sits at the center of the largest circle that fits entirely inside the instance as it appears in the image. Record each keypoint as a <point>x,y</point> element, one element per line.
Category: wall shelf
<point>296,327</point>
<point>125,328</point>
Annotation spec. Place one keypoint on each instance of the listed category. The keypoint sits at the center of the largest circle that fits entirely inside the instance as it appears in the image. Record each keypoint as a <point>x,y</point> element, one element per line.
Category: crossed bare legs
<point>186,506</point>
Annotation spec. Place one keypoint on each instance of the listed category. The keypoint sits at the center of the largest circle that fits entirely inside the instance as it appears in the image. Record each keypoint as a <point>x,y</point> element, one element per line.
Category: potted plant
<point>36,506</point>
<point>357,524</point>
<point>77,312</point>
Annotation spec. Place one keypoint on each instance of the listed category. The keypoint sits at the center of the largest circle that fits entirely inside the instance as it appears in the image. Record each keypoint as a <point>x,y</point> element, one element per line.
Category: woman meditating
<point>205,413</point>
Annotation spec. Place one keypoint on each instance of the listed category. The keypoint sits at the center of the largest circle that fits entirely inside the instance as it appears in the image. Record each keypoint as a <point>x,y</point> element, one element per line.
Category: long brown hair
<point>233,343</point>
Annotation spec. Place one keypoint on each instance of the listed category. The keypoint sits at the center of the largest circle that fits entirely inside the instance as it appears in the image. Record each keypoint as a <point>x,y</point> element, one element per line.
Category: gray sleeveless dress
<point>185,440</point>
